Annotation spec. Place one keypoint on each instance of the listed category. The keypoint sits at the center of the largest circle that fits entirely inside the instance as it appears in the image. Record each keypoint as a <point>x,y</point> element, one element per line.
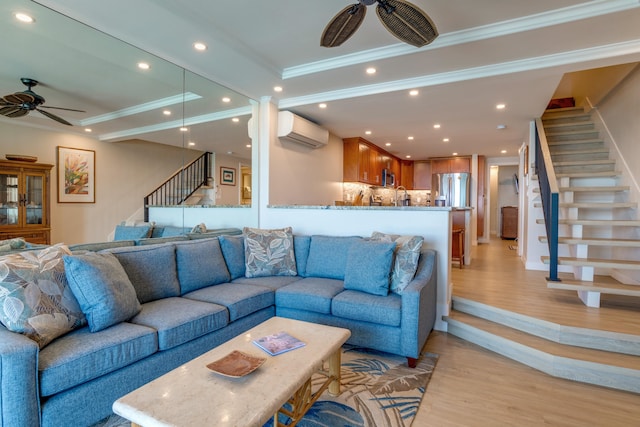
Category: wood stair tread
<point>597,222</point>
<point>607,288</point>
<point>596,262</point>
<point>593,205</point>
<point>579,152</point>
<point>547,346</point>
<point>601,174</point>
<point>596,241</point>
<point>585,162</point>
<point>595,188</point>
<point>577,142</point>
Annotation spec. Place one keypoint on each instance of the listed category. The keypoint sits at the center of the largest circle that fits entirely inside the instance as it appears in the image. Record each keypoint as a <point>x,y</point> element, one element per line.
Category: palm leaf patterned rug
<point>378,390</point>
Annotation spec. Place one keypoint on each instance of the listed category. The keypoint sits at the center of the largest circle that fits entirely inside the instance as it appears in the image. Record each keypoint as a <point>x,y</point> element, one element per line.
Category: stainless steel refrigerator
<point>455,188</point>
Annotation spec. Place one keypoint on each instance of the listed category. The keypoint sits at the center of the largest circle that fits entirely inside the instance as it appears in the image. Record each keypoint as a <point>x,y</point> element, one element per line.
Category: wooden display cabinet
<point>509,226</point>
<point>25,201</point>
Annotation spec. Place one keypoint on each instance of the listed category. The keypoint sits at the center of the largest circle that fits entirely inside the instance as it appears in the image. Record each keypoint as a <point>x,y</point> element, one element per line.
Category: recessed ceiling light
<point>323,105</point>
<point>410,138</point>
<point>388,144</point>
<point>408,156</point>
<point>501,127</point>
<point>166,112</point>
<point>184,129</point>
<point>436,126</point>
<point>277,88</point>
<point>88,130</point>
<point>226,99</point>
<point>504,151</point>
<point>229,152</point>
<point>191,143</point>
<point>414,92</point>
<point>501,106</point>
<point>143,65</point>
<point>23,17</point>
<point>368,132</point>
<point>235,120</point>
<point>248,145</point>
<point>455,154</point>
<point>199,46</point>
<point>445,140</point>
<point>371,70</point>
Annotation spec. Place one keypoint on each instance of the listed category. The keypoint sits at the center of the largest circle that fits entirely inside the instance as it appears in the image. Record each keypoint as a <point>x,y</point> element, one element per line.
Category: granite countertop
<point>370,208</point>
<point>200,206</point>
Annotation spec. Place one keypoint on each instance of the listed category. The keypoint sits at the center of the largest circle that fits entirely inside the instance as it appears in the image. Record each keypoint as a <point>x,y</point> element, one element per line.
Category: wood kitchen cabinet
<point>451,165</point>
<point>24,201</point>
<point>422,175</point>
<point>509,222</point>
<point>364,162</point>
<point>407,174</point>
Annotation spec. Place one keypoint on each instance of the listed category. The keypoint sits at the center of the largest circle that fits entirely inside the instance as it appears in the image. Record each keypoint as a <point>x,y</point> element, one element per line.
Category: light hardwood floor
<point>472,386</point>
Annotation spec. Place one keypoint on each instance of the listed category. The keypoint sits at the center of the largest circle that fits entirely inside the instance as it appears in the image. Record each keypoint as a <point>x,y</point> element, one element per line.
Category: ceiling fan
<point>19,104</point>
<point>401,18</point>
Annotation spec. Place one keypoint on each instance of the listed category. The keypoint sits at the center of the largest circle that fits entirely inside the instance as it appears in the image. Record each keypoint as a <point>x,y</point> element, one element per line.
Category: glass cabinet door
<point>33,198</point>
<point>9,198</point>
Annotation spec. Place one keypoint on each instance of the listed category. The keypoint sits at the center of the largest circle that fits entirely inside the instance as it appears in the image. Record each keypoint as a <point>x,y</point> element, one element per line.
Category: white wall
<point>125,173</point>
<point>229,194</point>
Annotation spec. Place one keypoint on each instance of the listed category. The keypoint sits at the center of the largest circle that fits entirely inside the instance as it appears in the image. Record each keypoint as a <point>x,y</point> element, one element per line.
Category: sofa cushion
<point>180,320</point>
<point>366,307</point>
<point>81,355</point>
<point>125,232</point>
<point>151,269</point>
<point>233,251</point>
<point>159,240</point>
<point>369,266</point>
<point>405,263</point>
<point>99,246</point>
<point>102,288</point>
<point>240,299</point>
<point>200,264</point>
<point>35,297</point>
<point>301,248</point>
<point>311,293</point>
<point>273,282</point>
<point>171,230</point>
<point>269,252</point>
<point>328,256</point>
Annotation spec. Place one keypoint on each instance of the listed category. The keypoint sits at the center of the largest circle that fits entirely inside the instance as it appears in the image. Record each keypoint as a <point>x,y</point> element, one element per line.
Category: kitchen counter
<point>371,208</point>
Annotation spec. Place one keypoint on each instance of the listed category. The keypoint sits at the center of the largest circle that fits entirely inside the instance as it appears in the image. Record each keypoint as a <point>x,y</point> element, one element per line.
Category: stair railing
<point>550,197</point>
<point>181,185</point>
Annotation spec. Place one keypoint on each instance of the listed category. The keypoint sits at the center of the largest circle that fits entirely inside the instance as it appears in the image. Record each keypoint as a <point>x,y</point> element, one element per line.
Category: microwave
<point>388,178</point>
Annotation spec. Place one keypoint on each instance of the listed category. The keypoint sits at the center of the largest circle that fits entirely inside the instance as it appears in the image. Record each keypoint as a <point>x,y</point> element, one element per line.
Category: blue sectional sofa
<point>149,309</point>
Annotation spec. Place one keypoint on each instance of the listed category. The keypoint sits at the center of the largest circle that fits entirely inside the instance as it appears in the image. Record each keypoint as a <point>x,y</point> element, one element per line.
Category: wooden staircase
<point>598,224</point>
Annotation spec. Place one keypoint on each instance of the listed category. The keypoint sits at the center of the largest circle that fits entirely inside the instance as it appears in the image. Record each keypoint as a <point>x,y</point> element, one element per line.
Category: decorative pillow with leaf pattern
<point>407,254</point>
<point>269,252</point>
<point>35,298</point>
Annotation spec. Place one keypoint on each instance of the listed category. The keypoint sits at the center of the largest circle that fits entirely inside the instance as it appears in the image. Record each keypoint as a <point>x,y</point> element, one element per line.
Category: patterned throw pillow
<point>406,260</point>
<point>269,252</point>
<point>35,298</point>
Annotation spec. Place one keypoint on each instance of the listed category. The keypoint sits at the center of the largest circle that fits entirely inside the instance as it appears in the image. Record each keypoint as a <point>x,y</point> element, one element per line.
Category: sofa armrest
<point>419,305</point>
<point>19,397</point>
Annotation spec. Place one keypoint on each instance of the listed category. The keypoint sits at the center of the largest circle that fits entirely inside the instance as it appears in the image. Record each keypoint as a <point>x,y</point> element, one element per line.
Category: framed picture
<point>76,175</point>
<point>227,176</point>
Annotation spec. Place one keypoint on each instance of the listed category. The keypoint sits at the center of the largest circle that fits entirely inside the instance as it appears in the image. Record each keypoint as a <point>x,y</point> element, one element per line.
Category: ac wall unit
<point>302,131</point>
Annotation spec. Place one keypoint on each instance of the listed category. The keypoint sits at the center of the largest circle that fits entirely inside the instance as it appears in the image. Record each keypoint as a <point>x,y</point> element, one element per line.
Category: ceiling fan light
<point>343,25</point>
<point>407,22</point>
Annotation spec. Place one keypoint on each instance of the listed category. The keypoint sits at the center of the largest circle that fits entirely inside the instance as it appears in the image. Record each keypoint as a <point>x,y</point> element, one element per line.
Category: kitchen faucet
<point>395,201</point>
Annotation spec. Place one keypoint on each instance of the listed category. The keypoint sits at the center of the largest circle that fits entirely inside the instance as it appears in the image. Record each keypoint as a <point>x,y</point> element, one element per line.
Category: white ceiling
<point>495,51</point>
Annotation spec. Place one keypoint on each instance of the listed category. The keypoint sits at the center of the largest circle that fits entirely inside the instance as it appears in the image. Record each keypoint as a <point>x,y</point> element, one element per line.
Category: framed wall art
<point>76,175</point>
<point>227,176</point>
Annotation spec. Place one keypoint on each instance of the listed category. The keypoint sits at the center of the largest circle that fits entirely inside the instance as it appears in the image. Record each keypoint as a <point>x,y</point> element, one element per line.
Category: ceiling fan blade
<point>407,22</point>
<point>19,98</point>
<point>13,111</point>
<point>60,108</point>
<point>343,25</point>
<point>54,117</point>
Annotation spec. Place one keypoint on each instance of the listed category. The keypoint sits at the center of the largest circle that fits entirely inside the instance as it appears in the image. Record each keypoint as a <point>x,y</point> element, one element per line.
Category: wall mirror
<point>120,101</point>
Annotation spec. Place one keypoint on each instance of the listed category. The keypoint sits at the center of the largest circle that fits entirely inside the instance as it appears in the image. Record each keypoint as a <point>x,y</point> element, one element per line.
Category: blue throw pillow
<point>125,232</point>
<point>102,288</point>
<point>200,264</point>
<point>368,267</point>
<point>233,251</point>
<point>328,256</point>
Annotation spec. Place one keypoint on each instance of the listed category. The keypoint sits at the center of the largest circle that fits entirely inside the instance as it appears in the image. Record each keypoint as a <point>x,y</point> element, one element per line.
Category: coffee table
<point>193,395</point>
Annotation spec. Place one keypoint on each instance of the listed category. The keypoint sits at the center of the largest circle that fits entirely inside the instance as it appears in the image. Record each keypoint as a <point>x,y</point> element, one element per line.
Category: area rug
<point>378,390</point>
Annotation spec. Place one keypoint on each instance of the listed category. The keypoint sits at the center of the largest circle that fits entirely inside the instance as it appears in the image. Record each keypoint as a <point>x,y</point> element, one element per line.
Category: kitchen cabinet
<point>364,162</point>
<point>422,175</point>
<point>509,222</point>
<point>451,165</point>
<point>24,201</point>
<point>406,174</point>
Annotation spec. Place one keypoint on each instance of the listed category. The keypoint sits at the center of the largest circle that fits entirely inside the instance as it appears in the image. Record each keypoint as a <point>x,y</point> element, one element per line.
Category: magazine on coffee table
<point>278,343</point>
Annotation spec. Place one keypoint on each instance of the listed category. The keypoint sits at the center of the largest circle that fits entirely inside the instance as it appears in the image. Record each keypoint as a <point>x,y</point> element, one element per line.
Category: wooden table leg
<point>334,371</point>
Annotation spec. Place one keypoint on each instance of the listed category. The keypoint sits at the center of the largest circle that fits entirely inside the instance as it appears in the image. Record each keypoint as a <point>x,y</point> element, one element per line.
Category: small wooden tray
<point>236,364</point>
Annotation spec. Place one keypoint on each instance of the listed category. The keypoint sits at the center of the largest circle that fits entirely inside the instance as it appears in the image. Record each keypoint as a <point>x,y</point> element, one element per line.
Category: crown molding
<point>504,28</point>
